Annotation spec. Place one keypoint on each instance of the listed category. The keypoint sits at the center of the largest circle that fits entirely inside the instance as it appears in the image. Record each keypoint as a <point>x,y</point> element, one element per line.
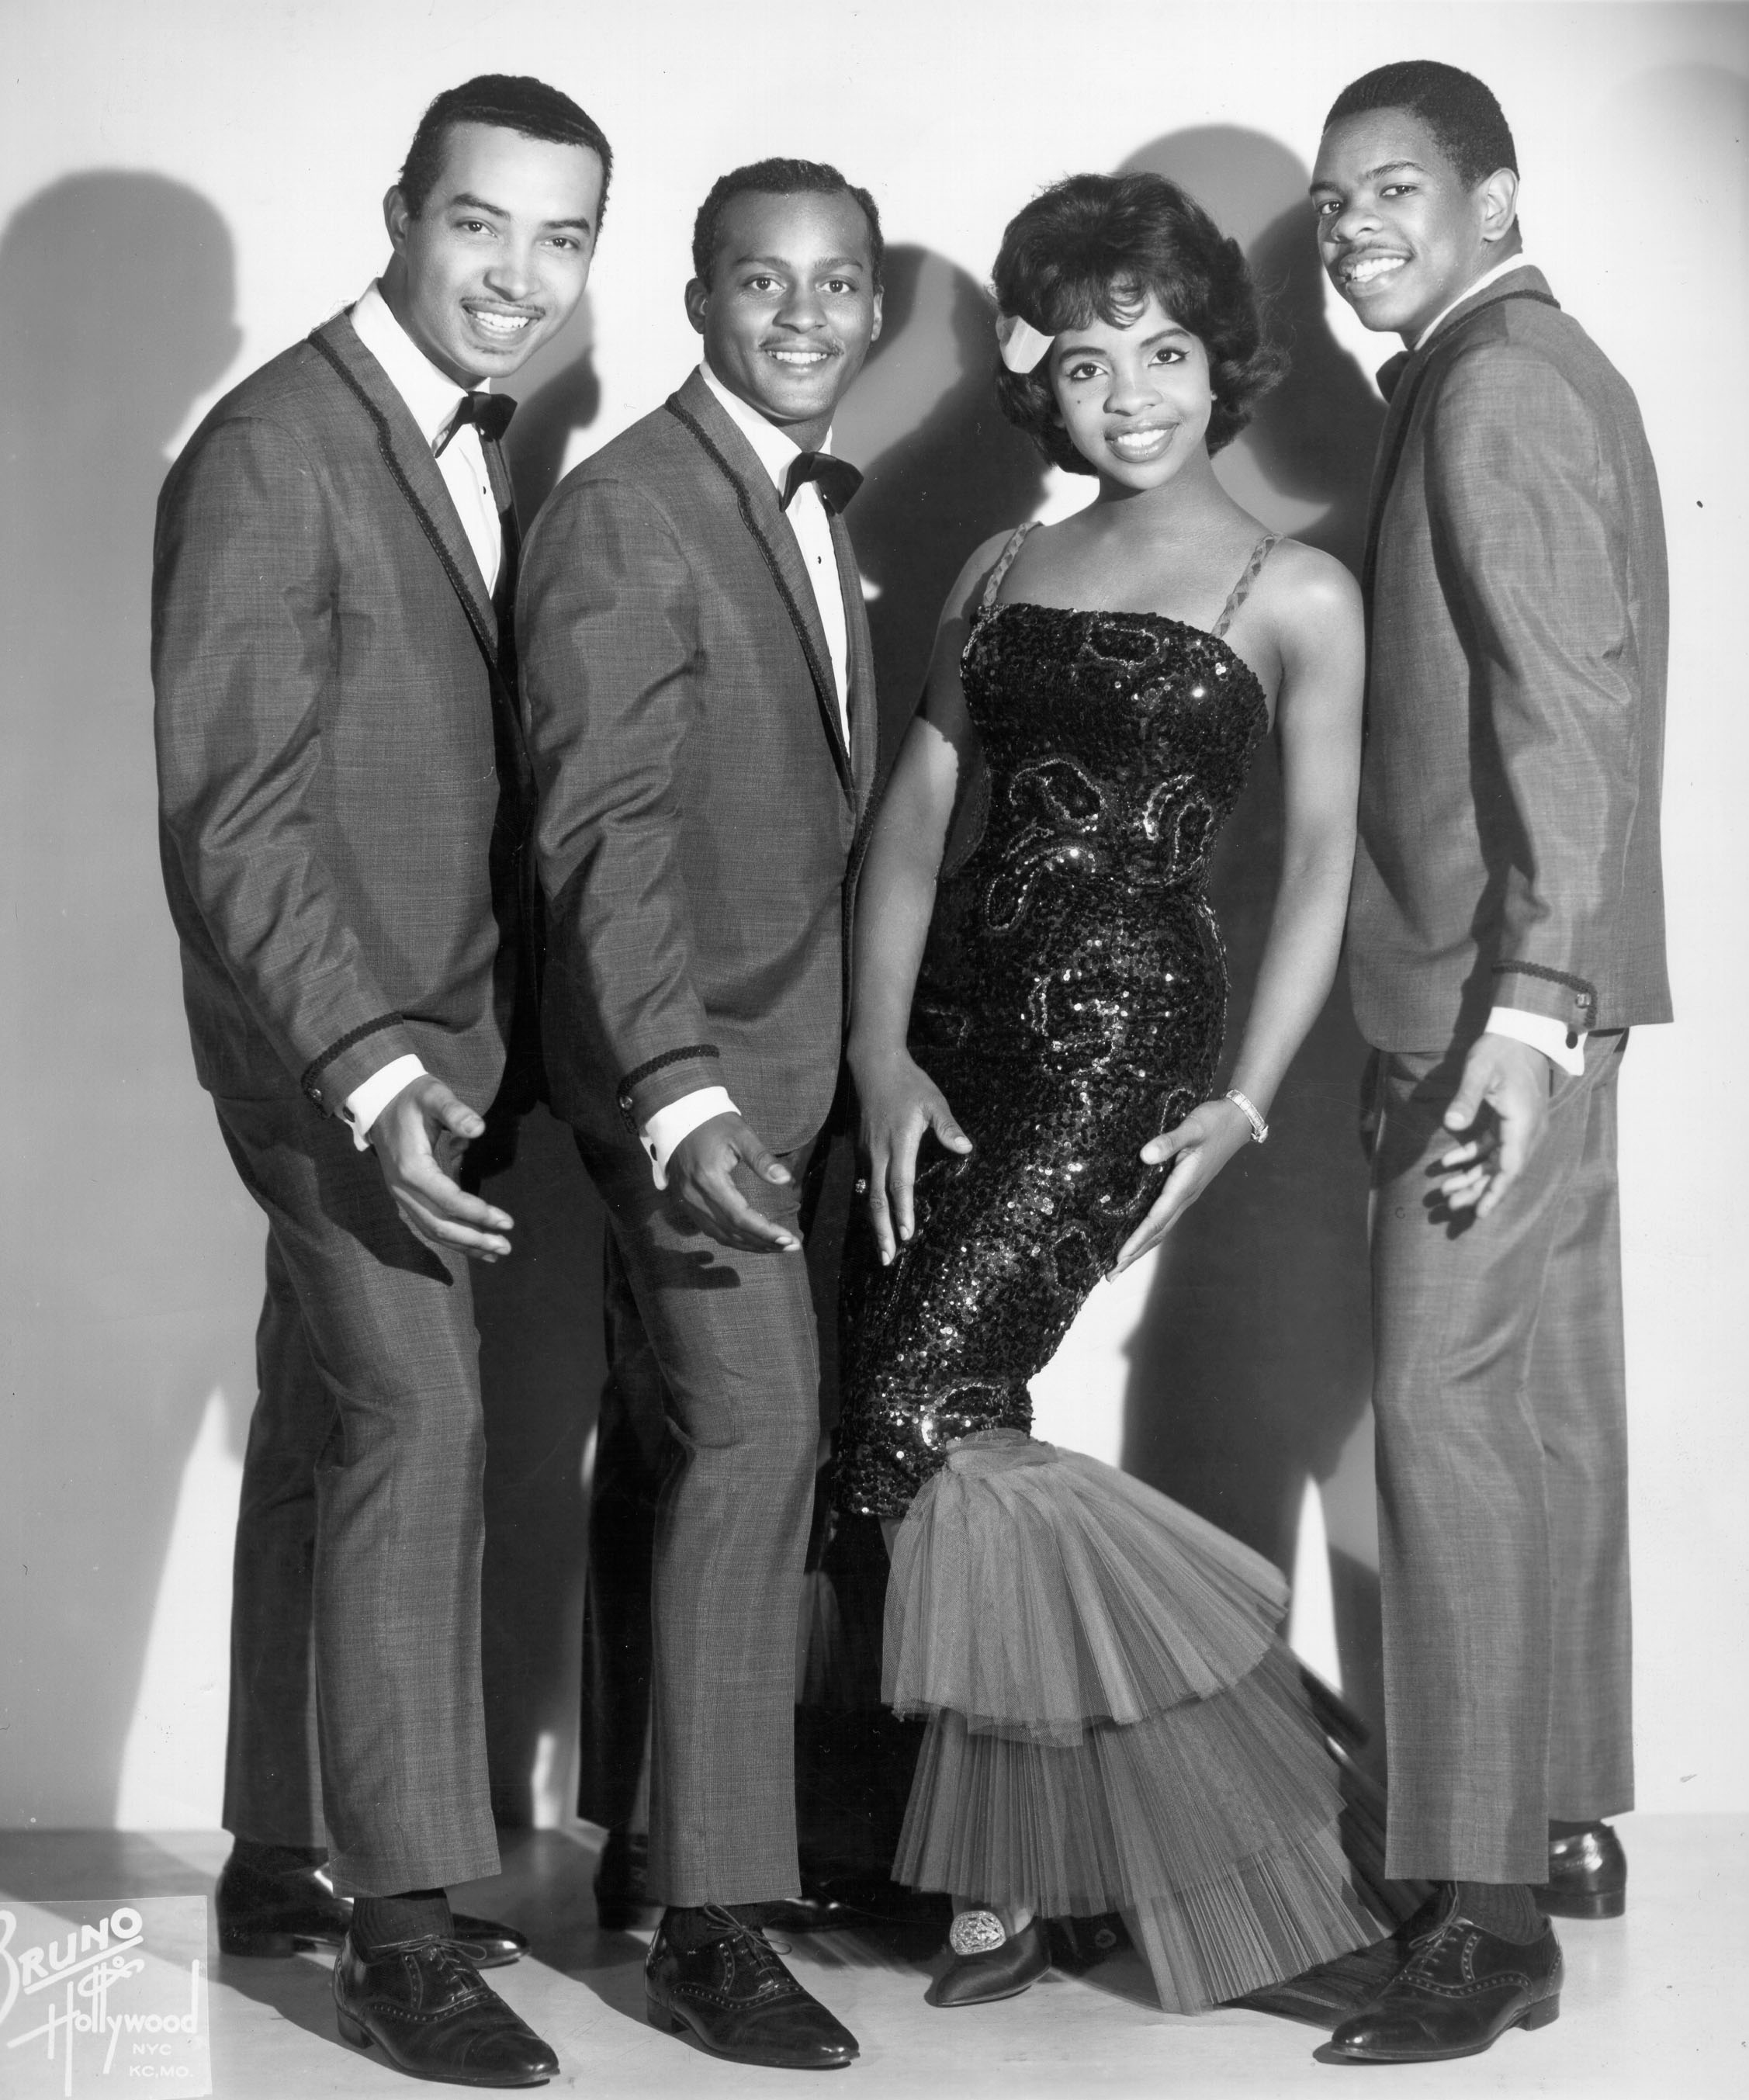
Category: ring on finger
<point>860,1185</point>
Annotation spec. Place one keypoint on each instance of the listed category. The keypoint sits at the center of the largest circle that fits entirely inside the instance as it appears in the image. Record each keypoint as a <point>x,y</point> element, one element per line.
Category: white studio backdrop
<point>131,1262</point>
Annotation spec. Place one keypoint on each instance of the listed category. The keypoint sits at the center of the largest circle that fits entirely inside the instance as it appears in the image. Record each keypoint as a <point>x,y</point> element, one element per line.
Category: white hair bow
<point>1022,346</point>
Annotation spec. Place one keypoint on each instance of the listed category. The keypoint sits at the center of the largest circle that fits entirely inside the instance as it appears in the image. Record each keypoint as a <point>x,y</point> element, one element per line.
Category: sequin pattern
<point>1070,1005</point>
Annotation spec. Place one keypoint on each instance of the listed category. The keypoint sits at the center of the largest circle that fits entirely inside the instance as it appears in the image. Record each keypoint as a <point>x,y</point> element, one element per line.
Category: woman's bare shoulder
<point>968,585</point>
<point>1302,586</point>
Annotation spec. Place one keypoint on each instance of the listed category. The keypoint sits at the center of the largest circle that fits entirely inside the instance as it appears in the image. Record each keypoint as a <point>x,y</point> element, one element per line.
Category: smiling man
<point>701,710</point>
<point>344,803</point>
<point>1506,930</point>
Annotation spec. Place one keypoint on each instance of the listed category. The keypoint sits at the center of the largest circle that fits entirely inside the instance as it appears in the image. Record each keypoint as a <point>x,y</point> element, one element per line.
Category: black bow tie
<point>1390,372</point>
<point>836,479</point>
<point>489,413</point>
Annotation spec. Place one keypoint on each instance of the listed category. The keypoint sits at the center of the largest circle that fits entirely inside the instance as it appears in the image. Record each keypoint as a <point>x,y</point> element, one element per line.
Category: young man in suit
<point>701,710</point>
<point>1506,931</point>
<point>344,802</point>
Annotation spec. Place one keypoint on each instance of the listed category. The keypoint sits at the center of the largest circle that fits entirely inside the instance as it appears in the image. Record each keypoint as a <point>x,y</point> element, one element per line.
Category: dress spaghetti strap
<point>1240,590</point>
<point>1004,561</point>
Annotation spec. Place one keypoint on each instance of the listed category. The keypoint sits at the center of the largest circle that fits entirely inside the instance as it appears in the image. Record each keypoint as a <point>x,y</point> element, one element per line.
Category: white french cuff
<point>1541,1032</point>
<point>365,1103</point>
<point>680,1119</point>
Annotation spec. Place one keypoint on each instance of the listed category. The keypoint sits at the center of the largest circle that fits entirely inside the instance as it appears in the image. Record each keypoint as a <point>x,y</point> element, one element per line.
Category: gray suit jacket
<point>1518,612</point>
<point>343,792</point>
<point>698,808</point>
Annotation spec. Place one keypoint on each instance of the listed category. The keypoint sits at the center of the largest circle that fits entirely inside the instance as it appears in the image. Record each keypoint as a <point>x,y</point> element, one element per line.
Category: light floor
<point>1654,2005</point>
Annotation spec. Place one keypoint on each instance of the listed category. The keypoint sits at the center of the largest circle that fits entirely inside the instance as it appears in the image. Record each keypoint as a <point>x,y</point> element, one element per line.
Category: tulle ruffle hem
<point>1113,1723</point>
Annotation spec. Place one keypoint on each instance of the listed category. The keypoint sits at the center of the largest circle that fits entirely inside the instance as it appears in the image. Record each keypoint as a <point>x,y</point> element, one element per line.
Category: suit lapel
<point>696,409</point>
<point>415,471</point>
<point>1527,283</point>
<point>865,713</point>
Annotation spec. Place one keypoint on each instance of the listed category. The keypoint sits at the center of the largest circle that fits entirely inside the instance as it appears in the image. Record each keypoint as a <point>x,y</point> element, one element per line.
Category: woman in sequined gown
<point>1113,1722</point>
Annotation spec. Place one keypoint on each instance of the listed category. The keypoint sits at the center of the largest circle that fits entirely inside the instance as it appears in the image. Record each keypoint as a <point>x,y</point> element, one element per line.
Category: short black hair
<point>1100,244</point>
<point>513,102</point>
<point>777,178</point>
<point>1459,109</point>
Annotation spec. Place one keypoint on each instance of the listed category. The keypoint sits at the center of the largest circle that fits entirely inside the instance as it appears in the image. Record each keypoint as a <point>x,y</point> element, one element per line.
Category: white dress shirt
<point>810,522</point>
<point>1541,1031</point>
<point>432,398</point>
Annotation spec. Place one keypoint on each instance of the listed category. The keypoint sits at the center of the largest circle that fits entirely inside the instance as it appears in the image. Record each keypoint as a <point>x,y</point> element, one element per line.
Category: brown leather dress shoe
<point>262,1913</point>
<point>1461,1989</point>
<point>422,2002</point>
<point>1588,1876</point>
<point>737,1998</point>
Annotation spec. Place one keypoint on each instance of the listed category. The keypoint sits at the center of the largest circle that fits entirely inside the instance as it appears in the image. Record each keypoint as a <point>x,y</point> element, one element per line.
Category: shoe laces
<point>1425,1945</point>
<point>449,1966</point>
<point>755,1949</point>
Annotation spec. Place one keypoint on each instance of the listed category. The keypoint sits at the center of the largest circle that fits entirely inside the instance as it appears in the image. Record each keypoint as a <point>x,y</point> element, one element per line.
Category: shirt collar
<point>1521,261</point>
<point>431,395</point>
<point>775,450</point>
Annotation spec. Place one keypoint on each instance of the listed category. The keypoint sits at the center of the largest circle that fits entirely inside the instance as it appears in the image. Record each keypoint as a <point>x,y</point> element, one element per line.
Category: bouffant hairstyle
<point>513,102</point>
<point>1099,245</point>
<point>777,178</point>
<point>1459,109</point>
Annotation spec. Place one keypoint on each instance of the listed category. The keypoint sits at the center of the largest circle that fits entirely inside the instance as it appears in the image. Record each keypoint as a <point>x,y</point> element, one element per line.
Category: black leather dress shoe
<point>422,2002</point>
<point>1588,1876</point>
<point>261,1913</point>
<point>618,1882</point>
<point>736,1999</point>
<point>1461,1989</point>
<point>989,1962</point>
<point>874,1899</point>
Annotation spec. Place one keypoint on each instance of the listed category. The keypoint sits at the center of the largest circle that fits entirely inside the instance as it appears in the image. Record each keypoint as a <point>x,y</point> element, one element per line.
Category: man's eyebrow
<point>465,200</point>
<point>1372,174</point>
<point>820,262</point>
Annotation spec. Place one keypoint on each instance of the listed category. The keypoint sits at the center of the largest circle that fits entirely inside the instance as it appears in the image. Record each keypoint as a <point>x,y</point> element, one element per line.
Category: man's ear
<point>1499,198</point>
<point>697,299</point>
<point>874,332</point>
<point>395,217</point>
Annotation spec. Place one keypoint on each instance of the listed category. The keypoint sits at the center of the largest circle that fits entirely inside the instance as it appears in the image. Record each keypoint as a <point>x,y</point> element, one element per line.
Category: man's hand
<point>419,1139</point>
<point>701,1171</point>
<point>1510,1080</point>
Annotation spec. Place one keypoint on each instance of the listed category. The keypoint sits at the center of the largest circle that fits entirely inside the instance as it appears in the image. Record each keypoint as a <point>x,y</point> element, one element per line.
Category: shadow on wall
<point>558,395</point>
<point>1251,1368</point>
<point>131,1259</point>
<point>945,469</point>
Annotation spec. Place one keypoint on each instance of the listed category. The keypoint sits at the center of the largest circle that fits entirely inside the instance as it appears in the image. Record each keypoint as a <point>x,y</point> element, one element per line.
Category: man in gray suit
<point>344,801</point>
<point>1506,930</point>
<point>702,709</point>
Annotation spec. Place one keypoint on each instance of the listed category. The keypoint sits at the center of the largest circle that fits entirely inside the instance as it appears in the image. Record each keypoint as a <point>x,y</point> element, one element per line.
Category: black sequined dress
<point>1113,1722</point>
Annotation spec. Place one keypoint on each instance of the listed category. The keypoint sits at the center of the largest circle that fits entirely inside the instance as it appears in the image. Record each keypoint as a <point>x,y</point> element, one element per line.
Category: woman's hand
<point>899,1101</point>
<point>1200,1147</point>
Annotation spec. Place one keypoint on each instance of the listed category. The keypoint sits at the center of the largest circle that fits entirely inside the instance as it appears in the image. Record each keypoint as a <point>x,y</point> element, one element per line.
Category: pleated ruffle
<point>1035,1589</point>
<point>1113,1724</point>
